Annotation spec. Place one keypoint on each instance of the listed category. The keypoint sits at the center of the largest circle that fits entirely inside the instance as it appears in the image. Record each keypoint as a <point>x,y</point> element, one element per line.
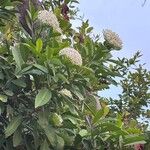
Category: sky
<point>127,18</point>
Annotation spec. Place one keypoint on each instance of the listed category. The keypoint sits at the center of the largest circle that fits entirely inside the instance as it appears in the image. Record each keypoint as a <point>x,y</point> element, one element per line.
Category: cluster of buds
<point>112,39</point>
<point>49,18</point>
<point>73,55</point>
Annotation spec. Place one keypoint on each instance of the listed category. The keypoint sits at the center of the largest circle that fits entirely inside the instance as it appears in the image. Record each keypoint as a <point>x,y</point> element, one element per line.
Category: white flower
<point>66,93</point>
<point>50,19</point>
<point>72,54</point>
<point>112,38</point>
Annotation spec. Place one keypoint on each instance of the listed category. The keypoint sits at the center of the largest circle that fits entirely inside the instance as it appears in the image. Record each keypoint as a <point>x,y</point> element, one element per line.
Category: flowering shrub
<point>48,102</point>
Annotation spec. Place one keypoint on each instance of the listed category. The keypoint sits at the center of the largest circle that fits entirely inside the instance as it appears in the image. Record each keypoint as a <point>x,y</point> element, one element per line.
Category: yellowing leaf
<point>39,45</point>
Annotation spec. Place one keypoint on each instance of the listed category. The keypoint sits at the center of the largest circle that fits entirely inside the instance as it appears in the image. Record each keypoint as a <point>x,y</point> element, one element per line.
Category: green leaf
<point>110,127</point>
<point>31,47</point>
<point>44,146</point>
<point>49,131</point>
<point>43,119</point>
<point>133,130</point>
<point>42,68</point>
<point>49,52</point>
<point>34,71</point>
<point>1,76</point>
<point>8,92</point>
<point>51,135</point>
<point>39,45</point>
<point>17,138</point>
<point>134,139</point>
<point>62,77</point>
<point>98,115</point>
<point>17,57</point>
<point>77,92</point>
<point>89,29</point>
<point>13,125</point>
<point>3,98</point>
<point>24,70</point>
<point>72,119</point>
<point>106,111</point>
<point>42,97</point>
<point>60,143</point>
<point>19,83</point>
<point>56,61</point>
<point>87,70</point>
<point>119,120</point>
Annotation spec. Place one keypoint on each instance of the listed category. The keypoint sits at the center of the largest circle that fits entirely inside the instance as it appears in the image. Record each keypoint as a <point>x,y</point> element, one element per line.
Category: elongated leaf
<point>19,83</point>
<point>31,47</point>
<point>98,115</point>
<point>108,126</point>
<point>39,45</point>
<point>17,138</point>
<point>17,57</point>
<point>119,120</point>
<point>51,135</point>
<point>60,143</point>
<point>43,120</point>
<point>12,126</point>
<point>134,139</point>
<point>42,97</point>
<point>24,70</point>
<point>106,111</point>
<point>62,77</point>
<point>42,68</point>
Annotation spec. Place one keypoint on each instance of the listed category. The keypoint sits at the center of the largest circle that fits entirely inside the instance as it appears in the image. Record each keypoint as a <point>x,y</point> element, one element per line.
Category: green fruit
<point>56,119</point>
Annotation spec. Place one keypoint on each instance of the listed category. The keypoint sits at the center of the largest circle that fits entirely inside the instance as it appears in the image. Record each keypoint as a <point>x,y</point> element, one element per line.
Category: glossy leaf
<point>3,98</point>
<point>17,57</point>
<point>39,45</point>
<point>43,97</point>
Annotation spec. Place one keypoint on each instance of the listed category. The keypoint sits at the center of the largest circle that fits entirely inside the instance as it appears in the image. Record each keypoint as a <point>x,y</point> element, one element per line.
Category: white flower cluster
<point>112,38</point>
<point>50,19</point>
<point>72,54</point>
<point>66,93</point>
